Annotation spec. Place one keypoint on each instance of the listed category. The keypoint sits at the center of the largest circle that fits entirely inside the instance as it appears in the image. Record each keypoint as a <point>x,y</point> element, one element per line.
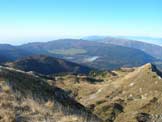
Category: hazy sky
<point>42,20</point>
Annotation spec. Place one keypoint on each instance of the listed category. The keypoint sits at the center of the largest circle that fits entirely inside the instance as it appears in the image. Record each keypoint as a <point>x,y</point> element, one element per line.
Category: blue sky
<point>42,20</point>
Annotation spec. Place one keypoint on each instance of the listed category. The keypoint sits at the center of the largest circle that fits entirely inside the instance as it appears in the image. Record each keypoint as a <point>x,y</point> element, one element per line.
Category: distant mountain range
<point>94,54</point>
<point>153,40</point>
<point>151,49</point>
<point>108,53</point>
<point>11,53</point>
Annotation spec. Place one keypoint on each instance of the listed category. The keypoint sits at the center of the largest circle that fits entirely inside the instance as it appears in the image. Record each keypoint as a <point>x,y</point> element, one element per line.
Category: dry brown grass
<point>6,89</point>
<point>134,89</point>
<point>16,108</point>
<point>49,104</point>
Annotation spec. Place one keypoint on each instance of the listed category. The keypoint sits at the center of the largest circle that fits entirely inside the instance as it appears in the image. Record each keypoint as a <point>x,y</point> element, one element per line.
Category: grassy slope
<point>25,97</point>
<point>121,97</point>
